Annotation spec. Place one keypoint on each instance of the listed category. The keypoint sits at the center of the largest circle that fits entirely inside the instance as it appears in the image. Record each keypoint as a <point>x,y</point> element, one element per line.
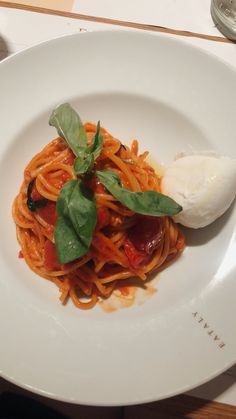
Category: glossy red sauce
<point>49,213</point>
<point>50,256</point>
<point>147,234</point>
<point>103,220</point>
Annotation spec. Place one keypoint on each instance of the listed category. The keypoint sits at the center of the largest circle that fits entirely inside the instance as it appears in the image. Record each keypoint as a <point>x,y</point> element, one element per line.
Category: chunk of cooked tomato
<point>143,239</point>
<point>49,213</point>
<point>50,256</point>
<point>69,159</point>
<point>96,185</point>
<point>147,234</point>
<point>58,182</point>
<point>103,220</point>
<point>135,257</point>
<point>35,195</point>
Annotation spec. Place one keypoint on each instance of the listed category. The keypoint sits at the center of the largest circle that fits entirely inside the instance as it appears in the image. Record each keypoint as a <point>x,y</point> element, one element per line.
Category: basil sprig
<point>146,203</point>
<point>76,205</point>
<point>77,218</point>
<point>87,155</point>
<point>70,127</point>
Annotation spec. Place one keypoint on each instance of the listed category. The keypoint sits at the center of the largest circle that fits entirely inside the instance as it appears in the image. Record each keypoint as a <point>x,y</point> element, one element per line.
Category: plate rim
<point>191,47</point>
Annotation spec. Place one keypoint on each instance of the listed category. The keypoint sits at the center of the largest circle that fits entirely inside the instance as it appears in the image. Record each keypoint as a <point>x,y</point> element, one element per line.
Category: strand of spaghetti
<point>134,185</point>
<point>114,277</point>
<point>99,266</point>
<point>64,288</point>
<point>139,161</point>
<point>41,221</point>
<point>71,268</point>
<point>87,274</point>
<point>143,156</point>
<point>165,250</point>
<point>56,174</point>
<point>17,216</point>
<point>64,294</point>
<point>46,154</point>
<point>120,242</point>
<point>105,291</point>
<point>89,127</point>
<point>85,286</point>
<point>39,234</point>
<point>156,260</point>
<point>144,177</point>
<point>34,250</point>
<point>49,187</point>
<point>35,171</point>
<point>121,222</point>
<point>117,208</point>
<point>44,192</point>
<point>112,149</point>
<point>22,207</point>
<point>137,169</point>
<point>152,185</point>
<point>142,180</point>
<point>22,241</point>
<point>134,147</point>
<point>52,151</point>
<point>80,304</point>
<point>48,232</point>
<point>105,197</point>
<point>105,245</point>
<point>59,166</point>
<point>116,237</point>
<point>51,192</point>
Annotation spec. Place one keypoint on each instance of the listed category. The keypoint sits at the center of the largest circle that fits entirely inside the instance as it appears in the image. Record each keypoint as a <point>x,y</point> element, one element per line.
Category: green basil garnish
<point>76,205</point>
<point>34,204</point>
<point>77,218</point>
<point>146,203</point>
<point>70,127</point>
<point>87,155</point>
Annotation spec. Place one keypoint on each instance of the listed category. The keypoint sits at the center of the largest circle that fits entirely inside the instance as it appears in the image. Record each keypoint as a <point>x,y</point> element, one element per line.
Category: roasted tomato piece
<point>96,185</point>
<point>49,212</point>
<point>69,159</point>
<point>147,234</point>
<point>50,256</point>
<point>135,257</point>
<point>35,195</point>
<point>103,215</point>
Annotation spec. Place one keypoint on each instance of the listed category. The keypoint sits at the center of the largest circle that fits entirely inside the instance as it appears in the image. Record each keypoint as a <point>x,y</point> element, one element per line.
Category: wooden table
<point>27,22</point>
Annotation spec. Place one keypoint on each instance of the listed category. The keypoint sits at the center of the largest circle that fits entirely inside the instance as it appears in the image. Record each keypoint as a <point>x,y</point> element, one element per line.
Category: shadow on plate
<point>16,403</point>
<point>201,236</point>
<point>4,52</point>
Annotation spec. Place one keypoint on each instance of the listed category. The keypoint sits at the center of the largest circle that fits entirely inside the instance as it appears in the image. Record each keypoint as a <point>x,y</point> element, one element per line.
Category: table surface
<point>27,22</point>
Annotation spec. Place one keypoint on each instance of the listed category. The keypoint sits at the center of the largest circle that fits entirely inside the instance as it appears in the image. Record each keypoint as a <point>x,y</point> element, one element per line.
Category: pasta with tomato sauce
<point>124,244</point>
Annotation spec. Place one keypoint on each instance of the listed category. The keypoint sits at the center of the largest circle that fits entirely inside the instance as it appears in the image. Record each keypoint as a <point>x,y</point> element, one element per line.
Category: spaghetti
<point>124,244</point>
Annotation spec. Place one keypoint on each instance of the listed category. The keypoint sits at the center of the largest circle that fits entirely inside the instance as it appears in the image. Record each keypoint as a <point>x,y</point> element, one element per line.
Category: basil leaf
<point>83,163</point>
<point>69,126</point>
<point>68,245</point>
<point>146,203</point>
<point>97,143</point>
<point>76,208</point>
<point>87,156</point>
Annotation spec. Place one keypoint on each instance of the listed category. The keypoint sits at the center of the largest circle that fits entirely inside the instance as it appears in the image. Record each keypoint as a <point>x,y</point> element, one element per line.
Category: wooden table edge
<point>99,19</point>
<point>182,404</point>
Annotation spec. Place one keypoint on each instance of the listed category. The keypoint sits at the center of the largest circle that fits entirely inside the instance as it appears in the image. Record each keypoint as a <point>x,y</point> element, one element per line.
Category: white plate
<point>171,97</point>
